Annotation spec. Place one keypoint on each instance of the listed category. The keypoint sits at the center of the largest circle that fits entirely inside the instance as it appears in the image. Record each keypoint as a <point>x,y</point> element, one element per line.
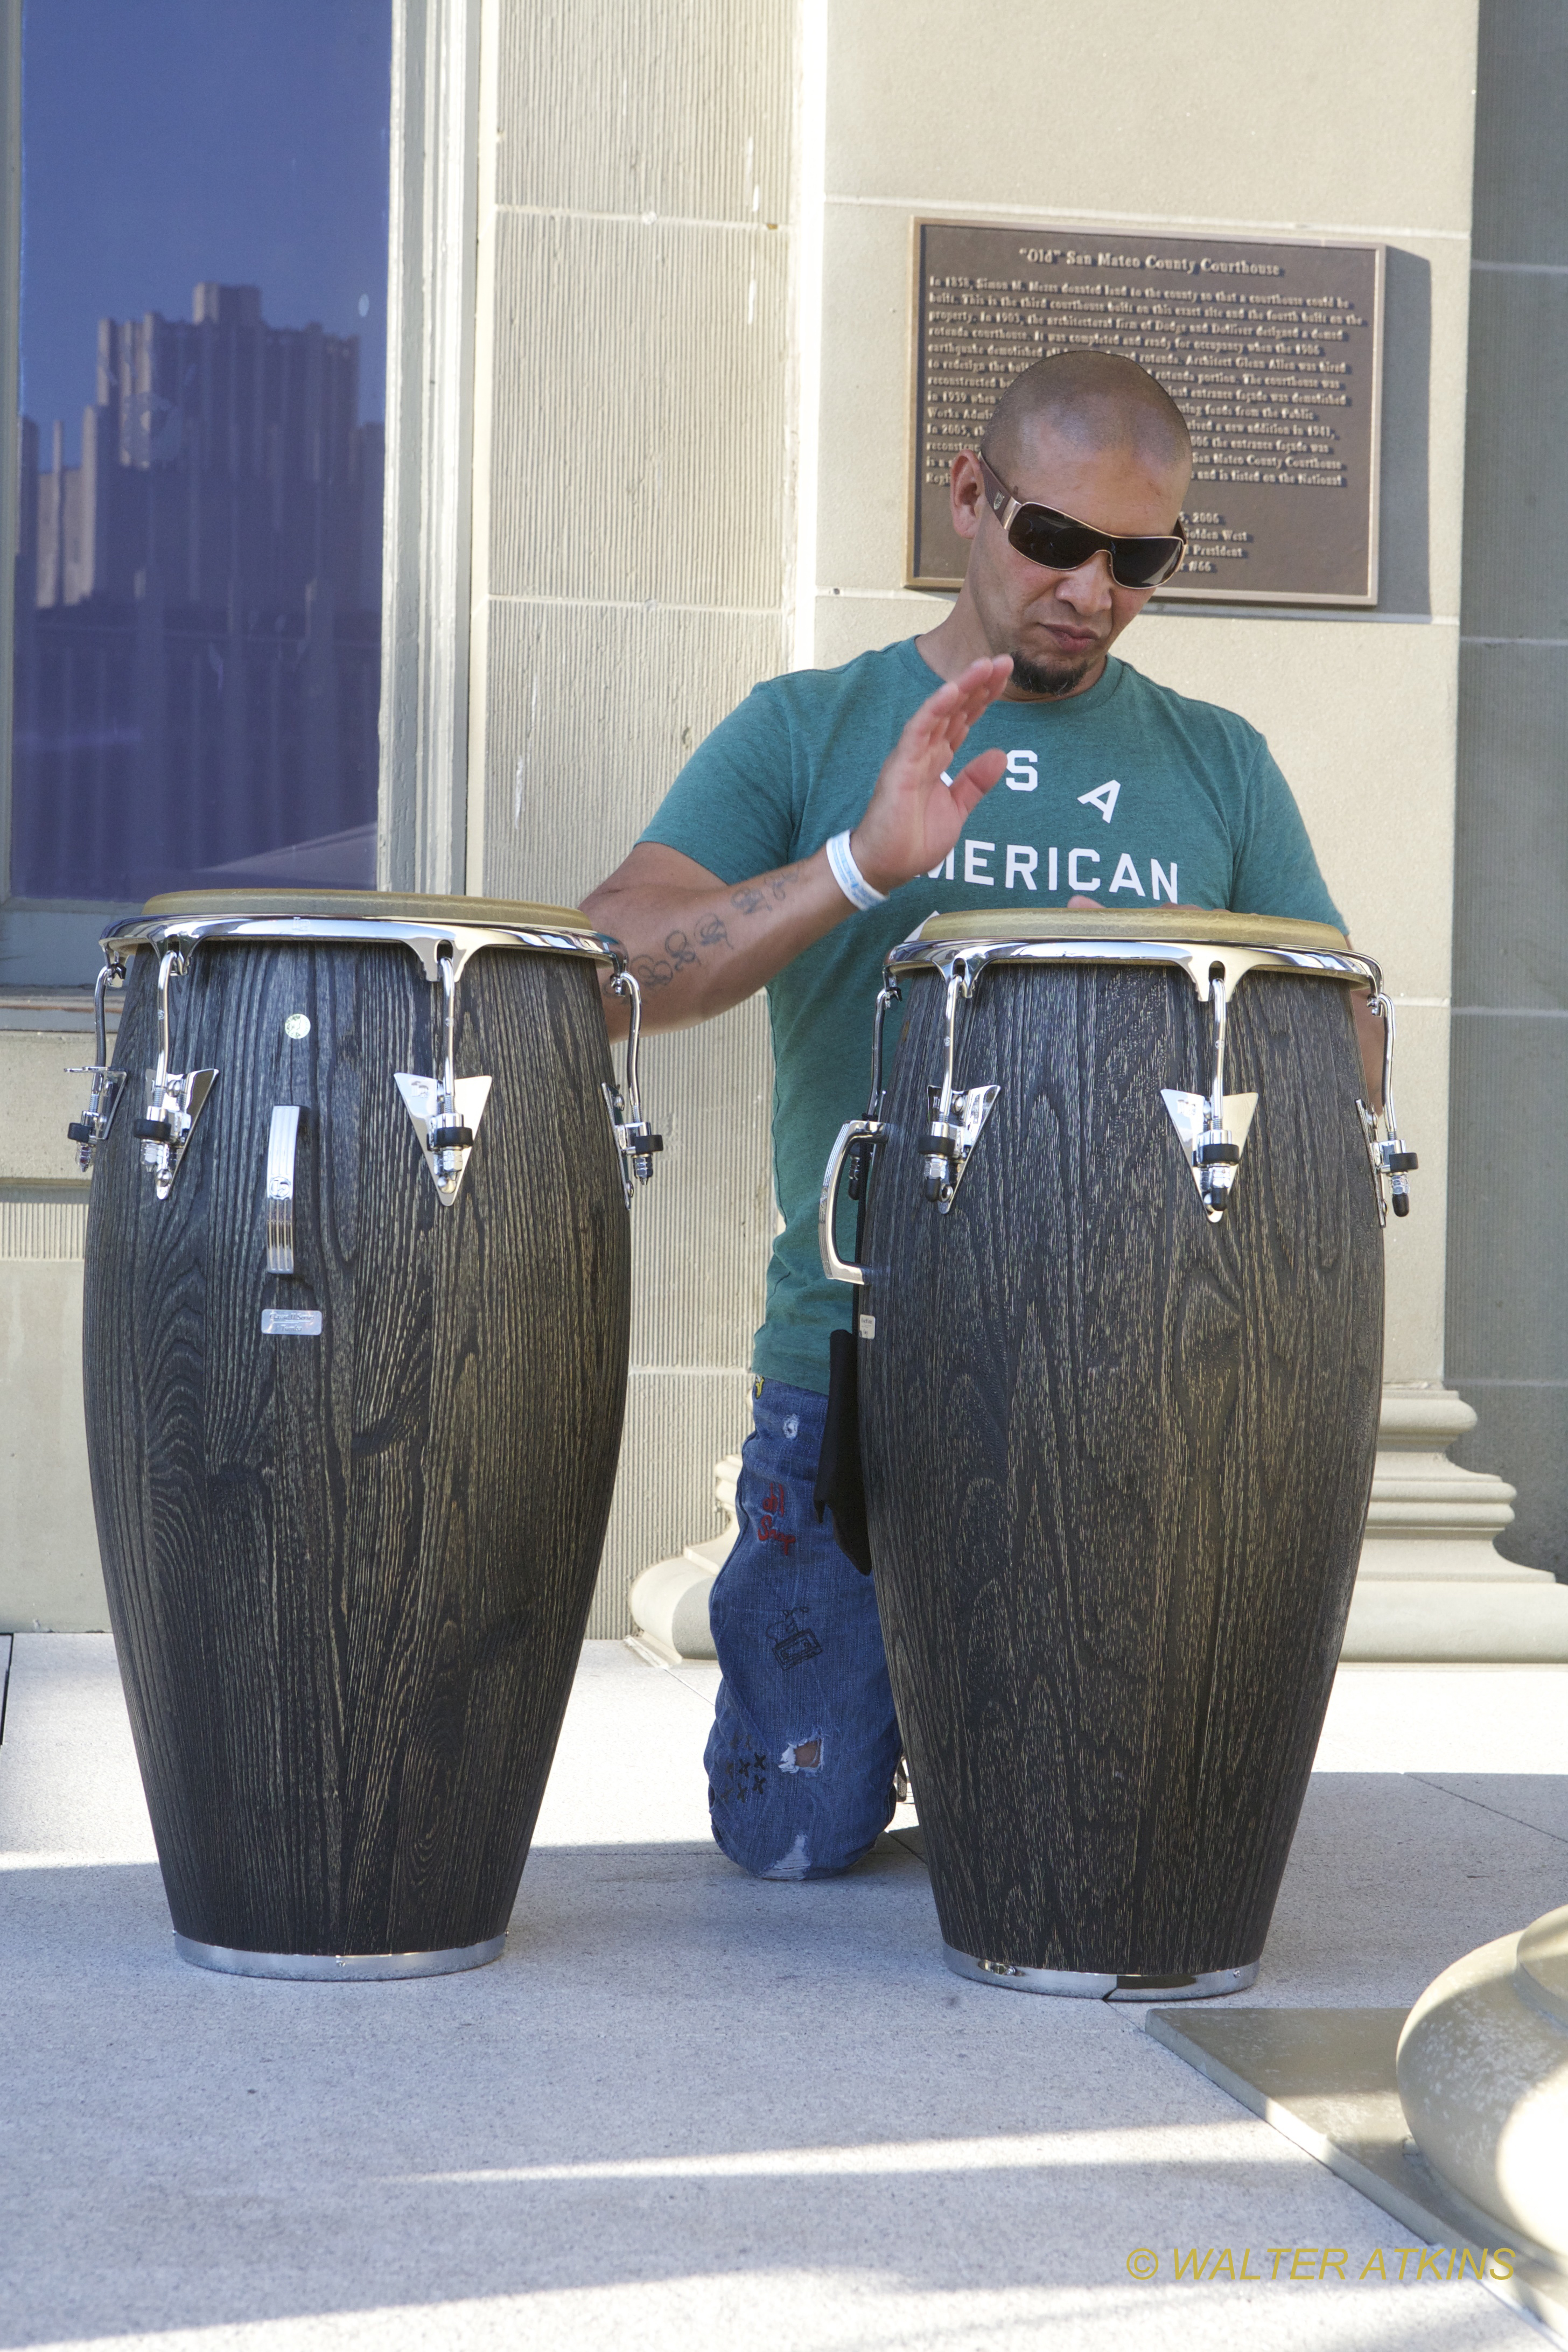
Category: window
<point>199,454</point>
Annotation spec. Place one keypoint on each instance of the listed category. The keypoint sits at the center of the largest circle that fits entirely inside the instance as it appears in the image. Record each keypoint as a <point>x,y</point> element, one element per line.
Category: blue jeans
<point>796,1627</point>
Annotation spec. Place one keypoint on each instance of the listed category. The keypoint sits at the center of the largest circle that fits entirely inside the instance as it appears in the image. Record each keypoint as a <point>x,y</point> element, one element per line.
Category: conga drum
<point>1120,1355</point>
<point>356,1323</point>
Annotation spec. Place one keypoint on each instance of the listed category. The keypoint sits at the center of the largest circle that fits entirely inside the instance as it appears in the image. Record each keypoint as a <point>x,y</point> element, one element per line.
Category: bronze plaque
<point>1270,348</point>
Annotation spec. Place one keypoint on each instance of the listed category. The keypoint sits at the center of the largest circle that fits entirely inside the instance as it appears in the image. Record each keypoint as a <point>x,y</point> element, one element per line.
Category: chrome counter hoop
<point>445,1110</point>
<point>1212,1126</point>
<point>428,940</point>
<point>1197,959</point>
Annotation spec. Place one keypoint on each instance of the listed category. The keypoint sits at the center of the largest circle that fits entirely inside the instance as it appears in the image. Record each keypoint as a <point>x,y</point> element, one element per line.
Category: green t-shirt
<point>1128,793</point>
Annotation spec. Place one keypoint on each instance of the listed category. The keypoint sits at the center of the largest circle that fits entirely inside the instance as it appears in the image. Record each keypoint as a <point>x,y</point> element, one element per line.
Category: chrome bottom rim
<point>337,1967</point>
<point>1084,1984</point>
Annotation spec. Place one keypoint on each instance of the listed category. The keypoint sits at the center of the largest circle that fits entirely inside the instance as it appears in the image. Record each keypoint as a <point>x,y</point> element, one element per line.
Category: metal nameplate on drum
<point>290,1322</point>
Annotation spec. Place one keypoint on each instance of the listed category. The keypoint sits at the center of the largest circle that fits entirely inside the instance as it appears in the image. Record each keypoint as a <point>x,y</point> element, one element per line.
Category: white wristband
<point>848,876</point>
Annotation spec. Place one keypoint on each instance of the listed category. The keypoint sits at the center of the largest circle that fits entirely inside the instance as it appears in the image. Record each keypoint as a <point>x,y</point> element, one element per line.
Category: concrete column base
<point>669,1601</point>
<point>1431,1585</point>
<point>1483,2080</point>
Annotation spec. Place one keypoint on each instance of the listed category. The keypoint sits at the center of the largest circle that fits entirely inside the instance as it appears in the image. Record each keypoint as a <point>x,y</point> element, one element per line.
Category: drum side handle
<point>861,1132</point>
<point>103,1096</point>
<point>1389,1155</point>
<point>635,1139</point>
<point>282,1145</point>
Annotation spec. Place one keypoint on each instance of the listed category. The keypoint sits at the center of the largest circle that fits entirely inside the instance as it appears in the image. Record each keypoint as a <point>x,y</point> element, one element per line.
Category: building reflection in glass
<point>198,614</point>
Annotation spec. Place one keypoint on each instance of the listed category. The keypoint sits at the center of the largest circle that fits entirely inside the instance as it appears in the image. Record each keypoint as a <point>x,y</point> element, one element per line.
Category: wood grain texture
<point>1118,1461</point>
<point>348,1576</point>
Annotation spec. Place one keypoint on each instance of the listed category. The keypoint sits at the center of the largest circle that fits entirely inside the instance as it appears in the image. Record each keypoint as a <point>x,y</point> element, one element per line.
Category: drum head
<point>362,906</point>
<point>1206,926</point>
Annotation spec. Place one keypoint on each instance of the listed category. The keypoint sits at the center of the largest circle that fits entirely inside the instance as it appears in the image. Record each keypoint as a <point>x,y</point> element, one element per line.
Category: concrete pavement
<point>684,2110</point>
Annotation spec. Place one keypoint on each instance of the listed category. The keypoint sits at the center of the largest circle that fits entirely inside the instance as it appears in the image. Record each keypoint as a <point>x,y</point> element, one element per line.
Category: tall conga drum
<point>1120,1355</point>
<point>356,1324</point>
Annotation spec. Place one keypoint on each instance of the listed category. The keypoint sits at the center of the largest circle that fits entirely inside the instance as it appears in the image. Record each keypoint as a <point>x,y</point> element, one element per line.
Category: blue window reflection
<point>197,656</point>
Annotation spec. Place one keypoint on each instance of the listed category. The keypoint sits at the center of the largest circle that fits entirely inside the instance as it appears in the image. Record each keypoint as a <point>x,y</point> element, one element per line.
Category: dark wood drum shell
<point>1118,1459</point>
<point>349,1575</point>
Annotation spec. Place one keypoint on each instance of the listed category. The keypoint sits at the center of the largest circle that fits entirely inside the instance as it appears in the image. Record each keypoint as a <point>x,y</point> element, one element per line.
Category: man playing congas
<point>770,864</point>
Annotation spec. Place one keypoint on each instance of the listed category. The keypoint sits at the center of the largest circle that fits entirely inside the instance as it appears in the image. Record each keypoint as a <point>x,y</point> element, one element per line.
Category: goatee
<point>1052,680</point>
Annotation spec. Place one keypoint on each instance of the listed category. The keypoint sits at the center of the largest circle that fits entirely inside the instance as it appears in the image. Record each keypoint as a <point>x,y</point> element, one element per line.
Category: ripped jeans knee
<point>805,1741</point>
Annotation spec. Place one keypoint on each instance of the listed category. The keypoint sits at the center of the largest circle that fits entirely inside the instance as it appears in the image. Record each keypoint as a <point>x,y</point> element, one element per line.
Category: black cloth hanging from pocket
<point>840,1488</point>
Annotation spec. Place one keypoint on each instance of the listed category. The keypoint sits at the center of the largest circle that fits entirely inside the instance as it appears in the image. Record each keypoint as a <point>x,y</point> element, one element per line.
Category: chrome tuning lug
<point>1393,1161</point>
<point>103,1097</point>
<point>1397,1164</point>
<point>175,1098</point>
<point>889,993</point>
<point>939,1146</point>
<point>635,1139</point>
<point>954,1115</point>
<point>445,1110</point>
<point>862,1151</point>
<point>1214,1128</point>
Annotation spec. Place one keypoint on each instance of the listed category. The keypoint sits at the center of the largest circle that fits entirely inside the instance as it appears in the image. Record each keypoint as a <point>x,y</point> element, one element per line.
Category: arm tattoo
<point>654,972</point>
<point>768,888</point>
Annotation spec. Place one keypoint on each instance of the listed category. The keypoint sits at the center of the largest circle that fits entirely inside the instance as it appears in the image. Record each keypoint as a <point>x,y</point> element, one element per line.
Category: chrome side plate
<point>176,1103</point>
<point>421,1099</point>
<point>1188,1114</point>
<point>971,1110</point>
<point>1369,1131</point>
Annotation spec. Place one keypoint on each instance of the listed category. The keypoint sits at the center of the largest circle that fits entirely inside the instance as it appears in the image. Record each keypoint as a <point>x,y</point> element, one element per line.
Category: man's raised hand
<point>913,818</point>
<point>699,945</point>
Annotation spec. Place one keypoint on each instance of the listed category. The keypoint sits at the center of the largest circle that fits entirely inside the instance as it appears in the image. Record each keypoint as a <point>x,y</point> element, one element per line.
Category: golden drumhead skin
<point>373,906</point>
<point>1208,927</point>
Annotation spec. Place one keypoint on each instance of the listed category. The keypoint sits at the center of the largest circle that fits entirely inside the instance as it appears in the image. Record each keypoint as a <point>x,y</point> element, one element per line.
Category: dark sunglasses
<point>1056,540</point>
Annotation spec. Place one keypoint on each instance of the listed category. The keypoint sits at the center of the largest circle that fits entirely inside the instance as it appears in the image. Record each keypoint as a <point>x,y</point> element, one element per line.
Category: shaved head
<point>1097,400</point>
<point>1091,435</point>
